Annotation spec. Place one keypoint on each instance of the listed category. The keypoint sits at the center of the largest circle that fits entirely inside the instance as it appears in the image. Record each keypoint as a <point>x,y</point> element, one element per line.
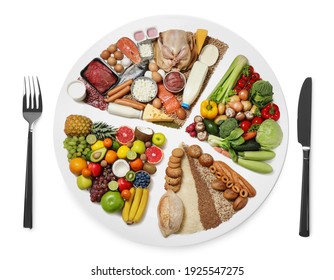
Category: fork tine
<point>33,85</point>
<point>40,103</point>
<point>25,94</point>
<point>30,101</point>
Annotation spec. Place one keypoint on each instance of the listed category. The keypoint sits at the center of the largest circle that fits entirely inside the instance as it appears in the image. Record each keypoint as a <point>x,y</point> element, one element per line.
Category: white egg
<point>126,61</point>
<point>148,74</point>
<point>162,73</point>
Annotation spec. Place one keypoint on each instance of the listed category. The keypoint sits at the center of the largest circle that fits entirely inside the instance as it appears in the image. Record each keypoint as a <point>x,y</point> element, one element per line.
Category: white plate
<point>147,231</point>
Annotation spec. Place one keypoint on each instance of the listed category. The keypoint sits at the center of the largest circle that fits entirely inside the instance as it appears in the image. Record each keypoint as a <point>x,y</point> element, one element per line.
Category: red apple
<point>95,168</point>
<point>123,184</point>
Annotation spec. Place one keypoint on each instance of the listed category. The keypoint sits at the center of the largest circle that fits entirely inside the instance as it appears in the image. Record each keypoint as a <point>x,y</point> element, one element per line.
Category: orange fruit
<point>110,157</point>
<point>86,172</point>
<point>136,164</point>
<point>77,165</point>
<point>126,194</point>
<point>107,142</point>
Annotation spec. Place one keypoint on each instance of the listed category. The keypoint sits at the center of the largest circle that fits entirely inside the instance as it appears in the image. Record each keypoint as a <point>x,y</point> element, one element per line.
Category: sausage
<point>118,94</point>
<point>119,87</point>
<point>130,103</point>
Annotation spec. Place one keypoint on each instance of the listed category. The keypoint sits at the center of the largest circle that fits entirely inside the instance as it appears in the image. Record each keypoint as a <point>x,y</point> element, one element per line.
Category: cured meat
<point>169,101</point>
<point>99,76</point>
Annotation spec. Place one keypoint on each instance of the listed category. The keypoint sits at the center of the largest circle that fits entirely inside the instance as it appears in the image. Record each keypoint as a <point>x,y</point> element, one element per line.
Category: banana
<point>142,206</point>
<point>127,206</point>
<point>135,204</point>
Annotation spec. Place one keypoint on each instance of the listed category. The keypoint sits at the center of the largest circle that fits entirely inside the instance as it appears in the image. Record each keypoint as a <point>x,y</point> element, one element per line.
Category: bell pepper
<point>209,109</point>
<point>123,184</point>
<point>271,111</point>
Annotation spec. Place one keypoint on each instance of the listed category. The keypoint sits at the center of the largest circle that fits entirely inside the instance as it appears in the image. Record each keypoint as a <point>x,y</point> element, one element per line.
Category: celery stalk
<point>222,90</point>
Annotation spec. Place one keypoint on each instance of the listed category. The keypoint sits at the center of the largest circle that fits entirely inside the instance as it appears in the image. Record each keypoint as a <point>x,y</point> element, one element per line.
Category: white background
<point>45,38</point>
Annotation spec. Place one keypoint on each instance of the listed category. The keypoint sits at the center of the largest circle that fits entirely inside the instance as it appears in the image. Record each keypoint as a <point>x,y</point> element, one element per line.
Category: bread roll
<point>170,213</point>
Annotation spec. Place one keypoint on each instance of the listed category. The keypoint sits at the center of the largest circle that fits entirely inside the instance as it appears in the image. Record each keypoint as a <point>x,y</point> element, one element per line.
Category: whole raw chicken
<point>175,50</point>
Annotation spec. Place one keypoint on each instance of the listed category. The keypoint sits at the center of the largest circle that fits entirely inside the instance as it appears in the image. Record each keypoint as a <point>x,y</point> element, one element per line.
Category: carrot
<point>130,103</point>
<point>119,87</point>
<point>249,135</point>
<point>119,94</point>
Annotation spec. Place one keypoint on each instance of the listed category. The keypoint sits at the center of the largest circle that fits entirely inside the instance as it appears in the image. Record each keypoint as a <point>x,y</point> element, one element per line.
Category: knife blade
<point>304,138</point>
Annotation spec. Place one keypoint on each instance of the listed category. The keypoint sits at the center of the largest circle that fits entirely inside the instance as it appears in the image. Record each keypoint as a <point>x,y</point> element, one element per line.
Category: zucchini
<point>249,145</point>
<point>257,155</point>
<point>211,127</point>
<point>254,165</point>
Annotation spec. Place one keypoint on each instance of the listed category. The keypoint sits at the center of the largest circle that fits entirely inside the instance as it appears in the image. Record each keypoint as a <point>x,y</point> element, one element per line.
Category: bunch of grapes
<point>77,147</point>
<point>100,184</point>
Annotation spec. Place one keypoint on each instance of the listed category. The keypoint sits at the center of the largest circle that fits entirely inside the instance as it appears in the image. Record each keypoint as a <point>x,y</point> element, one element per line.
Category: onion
<point>243,94</point>
<point>236,106</point>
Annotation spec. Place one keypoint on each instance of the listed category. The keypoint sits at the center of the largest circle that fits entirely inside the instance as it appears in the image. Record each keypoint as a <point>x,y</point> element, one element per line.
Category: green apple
<point>83,182</point>
<point>138,146</point>
<point>158,139</point>
<point>112,201</point>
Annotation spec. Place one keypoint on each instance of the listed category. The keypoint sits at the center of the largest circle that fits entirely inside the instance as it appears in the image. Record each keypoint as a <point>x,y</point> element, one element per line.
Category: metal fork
<point>31,112</point>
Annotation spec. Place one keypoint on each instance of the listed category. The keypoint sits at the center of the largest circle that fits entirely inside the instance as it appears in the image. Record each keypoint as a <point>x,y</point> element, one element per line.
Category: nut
<point>240,203</point>
<point>206,160</point>
<point>230,195</point>
<point>218,185</point>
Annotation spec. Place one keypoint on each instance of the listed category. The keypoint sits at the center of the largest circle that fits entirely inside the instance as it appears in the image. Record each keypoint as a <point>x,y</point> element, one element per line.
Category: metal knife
<point>304,138</point>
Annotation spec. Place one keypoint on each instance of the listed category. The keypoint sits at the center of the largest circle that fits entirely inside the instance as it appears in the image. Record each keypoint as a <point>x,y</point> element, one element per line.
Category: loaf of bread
<point>170,213</point>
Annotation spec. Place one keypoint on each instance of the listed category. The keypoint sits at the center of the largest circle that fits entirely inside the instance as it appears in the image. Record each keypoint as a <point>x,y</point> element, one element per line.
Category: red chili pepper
<point>271,111</point>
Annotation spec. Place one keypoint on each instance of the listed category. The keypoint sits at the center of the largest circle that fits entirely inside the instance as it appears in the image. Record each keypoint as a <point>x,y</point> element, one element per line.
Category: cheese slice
<point>200,39</point>
<point>152,114</point>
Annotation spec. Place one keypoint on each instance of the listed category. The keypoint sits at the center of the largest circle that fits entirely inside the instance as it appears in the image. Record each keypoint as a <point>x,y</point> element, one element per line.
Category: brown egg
<point>119,68</point>
<point>157,103</point>
<point>112,61</point>
<point>181,113</point>
<point>153,67</point>
<point>156,77</point>
<point>118,55</point>
<point>112,48</point>
<point>105,54</point>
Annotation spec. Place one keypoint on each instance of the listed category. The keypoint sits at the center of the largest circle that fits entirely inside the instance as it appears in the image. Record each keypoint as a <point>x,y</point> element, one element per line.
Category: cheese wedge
<point>200,37</point>
<point>152,114</point>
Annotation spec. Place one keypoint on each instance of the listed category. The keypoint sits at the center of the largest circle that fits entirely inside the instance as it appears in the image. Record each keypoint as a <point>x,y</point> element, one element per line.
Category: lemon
<point>122,151</point>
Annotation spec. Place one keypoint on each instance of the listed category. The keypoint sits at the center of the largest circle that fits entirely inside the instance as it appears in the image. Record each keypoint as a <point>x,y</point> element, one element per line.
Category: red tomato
<point>251,69</point>
<point>245,125</point>
<point>255,76</point>
<point>242,83</point>
<point>257,120</point>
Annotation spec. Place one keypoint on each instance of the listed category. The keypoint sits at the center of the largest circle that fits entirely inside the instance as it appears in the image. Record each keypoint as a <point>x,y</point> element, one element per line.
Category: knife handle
<point>304,226</point>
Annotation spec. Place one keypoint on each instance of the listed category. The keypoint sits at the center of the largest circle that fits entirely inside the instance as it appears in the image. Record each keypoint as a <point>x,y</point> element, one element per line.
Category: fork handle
<point>27,219</point>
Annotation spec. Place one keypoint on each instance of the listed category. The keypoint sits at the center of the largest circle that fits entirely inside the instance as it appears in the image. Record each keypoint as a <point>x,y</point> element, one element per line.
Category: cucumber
<point>257,155</point>
<point>254,165</point>
<point>249,145</point>
<point>211,127</point>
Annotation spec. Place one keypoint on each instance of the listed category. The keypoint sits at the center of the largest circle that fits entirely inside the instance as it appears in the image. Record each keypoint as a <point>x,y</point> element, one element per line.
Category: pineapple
<point>102,130</point>
<point>78,125</point>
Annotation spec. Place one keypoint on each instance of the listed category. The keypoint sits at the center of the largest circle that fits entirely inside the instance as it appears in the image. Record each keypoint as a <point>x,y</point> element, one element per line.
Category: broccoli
<point>261,93</point>
<point>227,127</point>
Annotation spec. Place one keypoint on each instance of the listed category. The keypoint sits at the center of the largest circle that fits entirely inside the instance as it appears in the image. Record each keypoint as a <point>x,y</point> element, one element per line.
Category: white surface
<point>45,38</point>
<point>149,226</point>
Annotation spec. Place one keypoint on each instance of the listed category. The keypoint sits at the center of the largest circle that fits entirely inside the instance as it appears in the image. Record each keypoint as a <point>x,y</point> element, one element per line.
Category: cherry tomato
<point>245,125</point>
<point>245,78</point>
<point>248,86</point>
<point>242,83</point>
<point>251,69</point>
<point>255,76</point>
<point>257,120</point>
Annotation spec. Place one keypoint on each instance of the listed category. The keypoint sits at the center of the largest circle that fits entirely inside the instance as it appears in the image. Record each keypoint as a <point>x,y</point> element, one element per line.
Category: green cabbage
<point>261,93</point>
<point>269,134</point>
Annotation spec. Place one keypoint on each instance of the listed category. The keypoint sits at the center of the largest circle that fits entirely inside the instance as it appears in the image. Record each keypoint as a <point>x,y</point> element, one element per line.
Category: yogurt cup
<point>77,90</point>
